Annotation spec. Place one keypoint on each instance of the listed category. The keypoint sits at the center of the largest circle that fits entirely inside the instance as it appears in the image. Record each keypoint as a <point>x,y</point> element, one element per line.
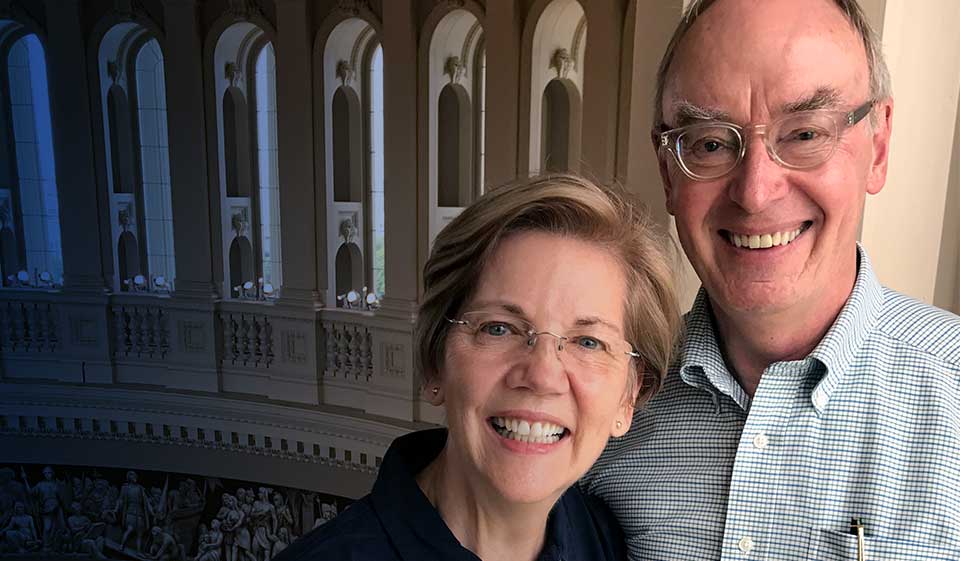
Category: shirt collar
<point>846,336</point>
<point>701,362</point>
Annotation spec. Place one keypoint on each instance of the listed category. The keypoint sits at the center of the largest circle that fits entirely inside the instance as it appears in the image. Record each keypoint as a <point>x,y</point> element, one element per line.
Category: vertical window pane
<point>33,136</point>
<point>155,161</point>
<point>267,151</point>
<point>376,170</point>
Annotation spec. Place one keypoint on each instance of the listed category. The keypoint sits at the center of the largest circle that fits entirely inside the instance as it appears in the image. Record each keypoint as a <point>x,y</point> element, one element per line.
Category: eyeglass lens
<point>589,347</point>
<point>798,141</point>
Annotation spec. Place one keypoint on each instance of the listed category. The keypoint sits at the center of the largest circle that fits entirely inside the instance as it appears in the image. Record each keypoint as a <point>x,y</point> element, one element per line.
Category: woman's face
<point>560,285</point>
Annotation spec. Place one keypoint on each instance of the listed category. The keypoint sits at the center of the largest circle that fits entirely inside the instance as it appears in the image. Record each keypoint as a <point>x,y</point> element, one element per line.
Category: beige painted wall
<point>947,294</point>
<point>903,224</point>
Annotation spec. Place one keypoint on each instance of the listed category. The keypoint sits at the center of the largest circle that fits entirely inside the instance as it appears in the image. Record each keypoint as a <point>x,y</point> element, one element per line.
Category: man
<point>47,496</point>
<point>133,511</point>
<point>805,394</point>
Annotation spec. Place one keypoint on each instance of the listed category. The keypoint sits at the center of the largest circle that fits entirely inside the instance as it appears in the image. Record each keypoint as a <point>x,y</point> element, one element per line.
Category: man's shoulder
<point>921,327</point>
<point>354,535</point>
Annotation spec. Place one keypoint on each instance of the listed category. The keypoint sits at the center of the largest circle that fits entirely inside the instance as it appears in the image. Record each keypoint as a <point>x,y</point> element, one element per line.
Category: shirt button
<point>760,441</point>
<point>746,545</point>
<point>819,401</point>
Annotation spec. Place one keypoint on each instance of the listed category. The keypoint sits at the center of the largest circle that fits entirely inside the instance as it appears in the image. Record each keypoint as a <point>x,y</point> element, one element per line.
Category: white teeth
<point>764,241</point>
<point>522,430</point>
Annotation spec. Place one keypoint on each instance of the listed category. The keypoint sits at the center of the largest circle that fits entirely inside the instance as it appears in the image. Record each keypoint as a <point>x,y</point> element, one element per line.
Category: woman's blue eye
<point>590,343</point>
<point>495,329</point>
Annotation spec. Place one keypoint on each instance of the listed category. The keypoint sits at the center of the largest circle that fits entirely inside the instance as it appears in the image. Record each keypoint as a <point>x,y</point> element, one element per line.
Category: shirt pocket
<point>831,545</point>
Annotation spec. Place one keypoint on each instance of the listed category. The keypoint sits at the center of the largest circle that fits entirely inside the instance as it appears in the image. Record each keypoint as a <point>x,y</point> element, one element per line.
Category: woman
<point>548,312</point>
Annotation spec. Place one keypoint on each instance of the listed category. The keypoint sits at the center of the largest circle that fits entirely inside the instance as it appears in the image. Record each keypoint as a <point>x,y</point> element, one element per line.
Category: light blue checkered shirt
<point>868,425</point>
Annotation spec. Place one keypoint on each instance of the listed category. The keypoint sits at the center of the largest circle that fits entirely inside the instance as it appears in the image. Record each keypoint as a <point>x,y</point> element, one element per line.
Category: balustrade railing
<point>349,349</point>
<point>270,350</point>
<point>141,331</point>
<point>28,326</point>
<point>247,339</point>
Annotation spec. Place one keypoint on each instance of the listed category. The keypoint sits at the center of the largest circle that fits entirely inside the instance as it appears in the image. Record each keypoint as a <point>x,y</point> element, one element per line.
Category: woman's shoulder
<point>592,524</point>
<point>356,534</point>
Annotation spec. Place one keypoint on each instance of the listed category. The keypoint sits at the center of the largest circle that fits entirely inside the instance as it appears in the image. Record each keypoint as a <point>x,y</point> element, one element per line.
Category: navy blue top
<point>396,522</point>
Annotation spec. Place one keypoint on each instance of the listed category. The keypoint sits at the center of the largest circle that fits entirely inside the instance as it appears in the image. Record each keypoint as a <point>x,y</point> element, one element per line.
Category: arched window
<point>556,83</point>
<point>133,102</point>
<point>453,63</point>
<point>244,66</point>
<point>155,163</point>
<point>267,151</point>
<point>375,229</point>
<point>350,61</point>
<point>480,94</point>
<point>29,210</point>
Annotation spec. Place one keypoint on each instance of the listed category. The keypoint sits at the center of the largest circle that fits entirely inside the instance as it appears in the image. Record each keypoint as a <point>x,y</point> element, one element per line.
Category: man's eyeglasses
<point>801,140</point>
<point>594,348</point>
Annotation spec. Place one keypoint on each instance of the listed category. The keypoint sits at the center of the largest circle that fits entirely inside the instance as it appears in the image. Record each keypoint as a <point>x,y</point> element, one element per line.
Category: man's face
<point>753,62</point>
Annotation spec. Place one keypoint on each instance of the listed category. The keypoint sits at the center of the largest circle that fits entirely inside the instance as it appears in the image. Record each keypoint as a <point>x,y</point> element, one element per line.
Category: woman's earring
<point>619,424</point>
<point>436,390</point>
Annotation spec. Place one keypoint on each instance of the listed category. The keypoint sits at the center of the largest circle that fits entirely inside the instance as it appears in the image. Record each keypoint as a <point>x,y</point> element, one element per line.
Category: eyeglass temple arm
<point>859,113</point>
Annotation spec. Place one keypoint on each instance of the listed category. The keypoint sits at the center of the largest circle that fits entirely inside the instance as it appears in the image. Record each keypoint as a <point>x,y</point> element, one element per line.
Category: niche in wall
<point>560,114</point>
<point>349,266</point>
<point>454,147</point>
<point>347,146</point>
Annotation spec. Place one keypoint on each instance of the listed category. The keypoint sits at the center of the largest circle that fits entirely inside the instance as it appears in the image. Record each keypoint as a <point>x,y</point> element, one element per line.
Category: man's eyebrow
<point>687,113</point>
<point>823,98</point>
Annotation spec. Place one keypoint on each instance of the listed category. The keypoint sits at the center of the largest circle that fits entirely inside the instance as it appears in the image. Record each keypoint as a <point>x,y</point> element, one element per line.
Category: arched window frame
<point>235,49</point>
<point>342,53</point>
<point>148,218</point>
<point>446,55</point>
<point>480,112</point>
<point>370,210</point>
<point>551,26</point>
<point>11,199</point>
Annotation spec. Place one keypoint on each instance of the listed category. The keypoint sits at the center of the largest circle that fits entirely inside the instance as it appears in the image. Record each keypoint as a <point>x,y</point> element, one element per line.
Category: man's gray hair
<point>879,75</point>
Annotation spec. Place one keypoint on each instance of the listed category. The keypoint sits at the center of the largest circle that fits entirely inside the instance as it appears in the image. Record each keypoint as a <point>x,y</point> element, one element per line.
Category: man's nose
<point>759,180</point>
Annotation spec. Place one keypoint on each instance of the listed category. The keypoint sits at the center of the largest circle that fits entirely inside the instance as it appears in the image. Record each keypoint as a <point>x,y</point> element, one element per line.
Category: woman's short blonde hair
<point>565,205</point>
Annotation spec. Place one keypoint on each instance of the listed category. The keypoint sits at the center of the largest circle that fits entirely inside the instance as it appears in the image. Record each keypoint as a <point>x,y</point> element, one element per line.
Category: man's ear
<point>881,129</point>
<point>664,171</point>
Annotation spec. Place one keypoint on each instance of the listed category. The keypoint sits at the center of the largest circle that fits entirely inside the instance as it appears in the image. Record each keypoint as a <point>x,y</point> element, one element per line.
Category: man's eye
<point>709,145</point>
<point>712,145</point>
<point>805,135</point>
